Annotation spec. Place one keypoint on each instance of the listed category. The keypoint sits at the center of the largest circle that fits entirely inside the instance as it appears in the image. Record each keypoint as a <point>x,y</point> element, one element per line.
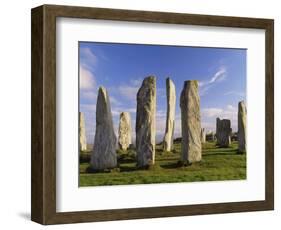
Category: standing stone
<point>145,122</point>
<point>104,153</point>
<point>242,119</point>
<point>125,130</point>
<point>190,123</point>
<point>223,132</point>
<point>170,120</point>
<point>203,135</point>
<point>82,132</point>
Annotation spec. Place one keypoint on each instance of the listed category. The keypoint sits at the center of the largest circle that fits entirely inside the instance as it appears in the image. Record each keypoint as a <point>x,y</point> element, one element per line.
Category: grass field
<point>217,164</point>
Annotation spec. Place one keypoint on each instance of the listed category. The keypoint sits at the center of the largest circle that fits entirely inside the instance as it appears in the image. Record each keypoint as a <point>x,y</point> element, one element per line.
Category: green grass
<point>217,164</point>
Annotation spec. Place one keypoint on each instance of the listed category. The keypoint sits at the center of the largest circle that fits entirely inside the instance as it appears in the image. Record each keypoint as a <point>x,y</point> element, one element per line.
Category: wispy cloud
<point>130,90</point>
<point>136,82</point>
<point>89,95</point>
<point>87,58</point>
<point>229,112</point>
<point>87,79</point>
<point>117,110</point>
<point>161,92</point>
<point>88,108</point>
<point>240,94</point>
<point>218,76</point>
<point>88,85</point>
<point>209,115</point>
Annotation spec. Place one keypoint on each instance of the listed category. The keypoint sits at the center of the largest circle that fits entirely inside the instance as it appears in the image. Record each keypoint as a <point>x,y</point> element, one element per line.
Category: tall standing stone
<point>170,119</point>
<point>145,122</point>
<point>190,123</point>
<point>242,119</point>
<point>203,135</point>
<point>82,132</point>
<point>223,132</point>
<point>124,131</point>
<point>104,152</point>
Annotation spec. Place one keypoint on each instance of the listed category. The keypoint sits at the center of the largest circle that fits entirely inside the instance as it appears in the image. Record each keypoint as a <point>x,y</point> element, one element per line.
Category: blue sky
<point>121,68</point>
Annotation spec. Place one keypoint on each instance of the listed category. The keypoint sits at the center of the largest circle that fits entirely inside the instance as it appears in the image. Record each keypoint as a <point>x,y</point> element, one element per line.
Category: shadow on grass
<point>170,165</point>
<point>128,168</point>
<point>228,153</point>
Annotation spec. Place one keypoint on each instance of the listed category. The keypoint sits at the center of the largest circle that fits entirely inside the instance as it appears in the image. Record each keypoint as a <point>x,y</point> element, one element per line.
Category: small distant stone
<point>125,131</point>
<point>223,132</point>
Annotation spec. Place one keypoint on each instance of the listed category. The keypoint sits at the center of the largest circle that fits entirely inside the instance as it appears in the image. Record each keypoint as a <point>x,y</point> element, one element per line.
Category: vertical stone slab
<point>190,123</point>
<point>223,132</point>
<point>203,135</point>
<point>242,119</point>
<point>170,118</point>
<point>82,133</point>
<point>145,122</point>
<point>104,151</point>
<point>124,131</point>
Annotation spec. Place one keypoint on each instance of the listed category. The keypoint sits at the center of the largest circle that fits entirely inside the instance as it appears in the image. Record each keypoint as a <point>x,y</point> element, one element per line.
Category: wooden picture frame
<point>43,207</point>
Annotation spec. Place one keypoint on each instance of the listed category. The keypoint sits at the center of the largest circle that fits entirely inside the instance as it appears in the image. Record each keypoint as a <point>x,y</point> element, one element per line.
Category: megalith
<point>104,151</point>
<point>170,117</point>
<point>145,122</point>
<point>223,132</point>
<point>190,123</point>
<point>242,119</point>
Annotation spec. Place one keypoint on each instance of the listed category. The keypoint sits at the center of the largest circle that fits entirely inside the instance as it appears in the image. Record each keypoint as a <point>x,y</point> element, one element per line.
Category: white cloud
<point>209,115</point>
<point>211,112</point>
<point>136,82</point>
<point>241,94</point>
<point>161,113</point>
<point>161,92</point>
<point>219,76</point>
<point>88,58</point>
<point>130,92</point>
<point>87,79</point>
<point>118,110</point>
<point>90,95</point>
<point>88,108</point>
<point>228,113</point>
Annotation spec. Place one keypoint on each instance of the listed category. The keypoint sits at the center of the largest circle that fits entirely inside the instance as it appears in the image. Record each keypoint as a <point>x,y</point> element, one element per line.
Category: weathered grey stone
<point>82,133</point>
<point>242,119</point>
<point>104,152</point>
<point>125,131</point>
<point>170,119</point>
<point>190,123</point>
<point>145,122</point>
<point>223,132</point>
<point>203,135</point>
